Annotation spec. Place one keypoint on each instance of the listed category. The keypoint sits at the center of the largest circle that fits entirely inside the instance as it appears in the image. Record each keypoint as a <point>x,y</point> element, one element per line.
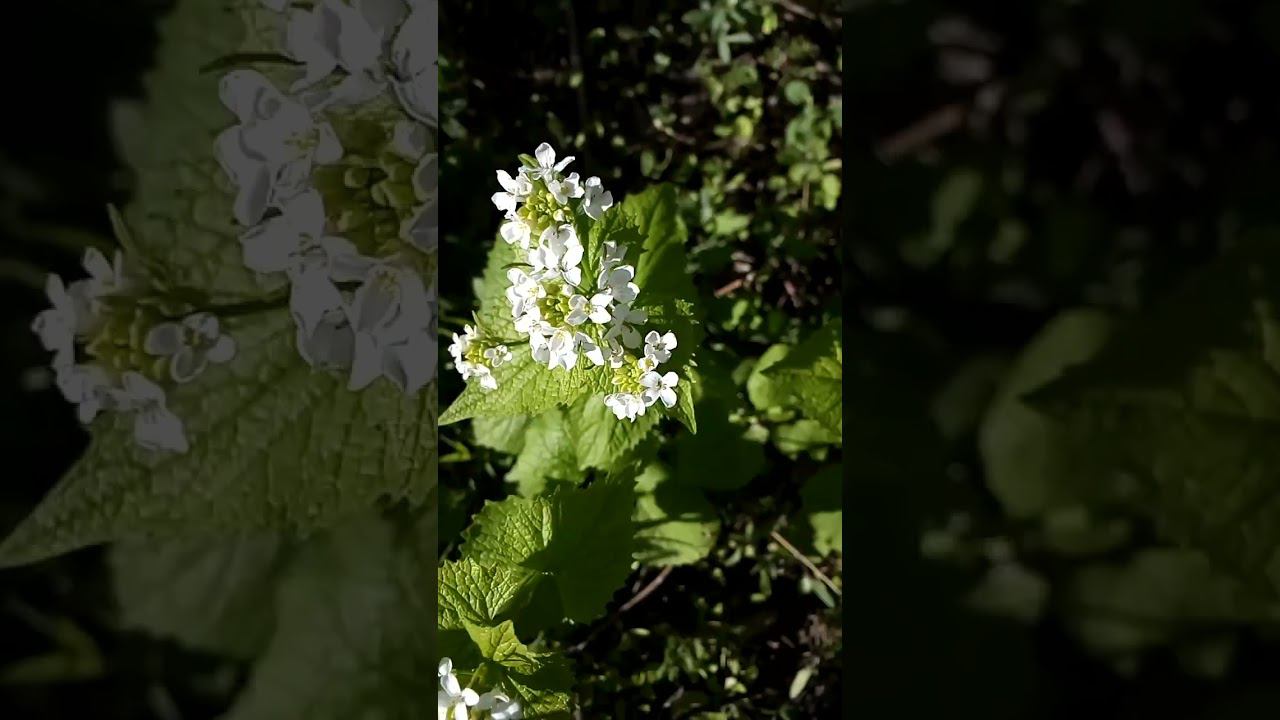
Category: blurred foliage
<point>1070,194</point>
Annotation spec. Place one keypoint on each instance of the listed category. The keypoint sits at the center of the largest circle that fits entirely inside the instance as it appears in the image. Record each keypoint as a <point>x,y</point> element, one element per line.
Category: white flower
<point>414,54</point>
<point>461,344</point>
<point>613,256</point>
<point>659,387</point>
<point>557,255</point>
<point>155,427</point>
<point>559,349</point>
<point>516,232</point>
<point>500,706</point>
<point>563,190</point>
<point>335,34</point>
<point>269,155</point>
<point>453,700</point>
<point>389,312</point>
<point>87,386</point>
<point>324,335</point>
<point>624,317</point>
<point>422,230</point>
<point>580,309</point>
<point>487,380</point>
<point>617,354</point>
<point>497,355</point>
<point>615,287</point>
<point>591,350</point>
<point>70,315</point>
<point>523,293</point>
<point>190,345</point>
<point>293,242</point>
<point>596,199</point>
<point>105,277</point>
<point>547,165</point>
<point>658,347</point>
<point>410,140</point>
<point>625,406</point>
<point>515,190</point>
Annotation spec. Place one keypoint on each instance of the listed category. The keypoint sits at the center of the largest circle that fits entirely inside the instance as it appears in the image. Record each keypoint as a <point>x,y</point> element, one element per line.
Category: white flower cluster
<point>79,316</point>
<point>453,702</point>
<point>369,313</point>
<point>563,315</point>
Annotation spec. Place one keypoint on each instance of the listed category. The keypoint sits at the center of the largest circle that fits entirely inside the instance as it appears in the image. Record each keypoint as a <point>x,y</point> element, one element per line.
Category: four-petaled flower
<point>659,387</point>
<point>155,427</point>
<point>515,190</point>
<point>270,154</point>
<point>558,255</point>
<point>658,347</point>
<point>391,317</point>
<point>625,406</point>
<point>547,168</point>
<point>500,706</point>
<point>596,199</point>
<point>453,700</point>
<point>190,345</point>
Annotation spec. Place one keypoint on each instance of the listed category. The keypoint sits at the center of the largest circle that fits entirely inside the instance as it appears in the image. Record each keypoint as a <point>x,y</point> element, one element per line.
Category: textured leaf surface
<point>813,373</point>
<point>550,535</point>
<point>273,444</point>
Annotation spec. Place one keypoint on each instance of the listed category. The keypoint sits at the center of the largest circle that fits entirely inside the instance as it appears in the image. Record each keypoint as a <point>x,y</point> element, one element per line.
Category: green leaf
<point>539,681</point>
<point>677,524</point>
<point>527,388</point>
<point>548,457</point>
<point>823,509</point>
<point>1032,466</point>
<point>814,373</point>
<point>180,218</point>
<point>273,444</point>
<point>504,434</point>
<point>547,536</point>
<point>719,457</point>
<point>764,390</point>
<point>353,632</point>
<point>599,439</point>
<point>214,594</point>
<point>1186,400</point>
<point>472,592</point>
<point>662,269</point>
<point>1159,597</point>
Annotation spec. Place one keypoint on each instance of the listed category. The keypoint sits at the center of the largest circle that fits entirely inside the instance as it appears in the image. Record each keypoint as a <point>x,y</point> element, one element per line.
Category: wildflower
<point>624,318</point>
<point>658,347</point>
<point>500,706</point>
<point>557,256</point>
<point>390,310</point>
<point>547,168</point>
<point>625,406</point>
<point>564,189</point>
<point>155,427</point>
<point>269,155</point>
<point>453,700</point>
<point>190,345</point>
<point>515,190</point>
<point>659,387</point>
<point>69,316</point>
<point>595,198</point>
<point>414,56</point>
<point>87,387</point>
